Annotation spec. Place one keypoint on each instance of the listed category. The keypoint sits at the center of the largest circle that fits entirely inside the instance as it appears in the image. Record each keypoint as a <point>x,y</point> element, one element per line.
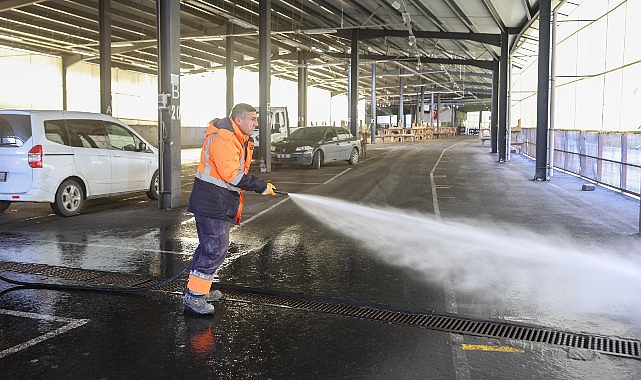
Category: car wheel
<point>69,198</point>
<point>153,187</point>
<point>4,205</point>
<point>353,157</point>
<point>317,160</point>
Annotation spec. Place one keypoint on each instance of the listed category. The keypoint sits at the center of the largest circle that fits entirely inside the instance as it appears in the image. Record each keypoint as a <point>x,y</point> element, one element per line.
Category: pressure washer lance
<point>281,192</point>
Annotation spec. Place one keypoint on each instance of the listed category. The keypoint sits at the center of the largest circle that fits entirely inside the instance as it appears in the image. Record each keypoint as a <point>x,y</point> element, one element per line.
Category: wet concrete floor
<point>51,334</point>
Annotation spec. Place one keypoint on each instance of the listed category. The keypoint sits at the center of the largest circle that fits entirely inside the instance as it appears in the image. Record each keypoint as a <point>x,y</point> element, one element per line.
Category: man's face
<point>247,123</point>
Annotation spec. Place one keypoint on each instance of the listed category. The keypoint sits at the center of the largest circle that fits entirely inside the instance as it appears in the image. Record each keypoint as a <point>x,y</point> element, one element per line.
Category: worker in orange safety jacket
<point>217,199</point>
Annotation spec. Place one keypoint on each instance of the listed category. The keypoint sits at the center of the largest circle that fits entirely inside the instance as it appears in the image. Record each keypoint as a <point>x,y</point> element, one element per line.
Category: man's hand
<point>269,190</point>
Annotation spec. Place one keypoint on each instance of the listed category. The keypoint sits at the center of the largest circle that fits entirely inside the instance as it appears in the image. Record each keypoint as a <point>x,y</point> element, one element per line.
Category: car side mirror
<point>142,147</point>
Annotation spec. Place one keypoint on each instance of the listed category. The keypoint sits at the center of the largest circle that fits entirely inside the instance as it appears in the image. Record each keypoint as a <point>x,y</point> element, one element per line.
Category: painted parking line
<point>437,211</point>
<point>482,347</point>
<point>461,365</point>
<point>71,323</point>
<point>336,176</point>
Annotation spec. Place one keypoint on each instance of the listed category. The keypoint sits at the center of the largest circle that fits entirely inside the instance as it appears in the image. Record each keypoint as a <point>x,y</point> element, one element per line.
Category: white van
<point>65,157</point>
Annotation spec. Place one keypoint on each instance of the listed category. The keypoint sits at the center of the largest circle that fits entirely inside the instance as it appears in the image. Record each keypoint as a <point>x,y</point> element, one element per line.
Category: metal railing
<point>609,158</point>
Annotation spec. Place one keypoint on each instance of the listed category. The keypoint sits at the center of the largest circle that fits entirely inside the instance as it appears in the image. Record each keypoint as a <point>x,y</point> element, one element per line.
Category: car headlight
<point>272,148</point>
<point>303,148</point>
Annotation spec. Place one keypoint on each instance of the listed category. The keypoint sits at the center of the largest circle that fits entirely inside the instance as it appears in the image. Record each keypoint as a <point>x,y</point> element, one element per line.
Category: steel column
<point>302,89</point>
<point>453,117</point>
<point>417,110</point>
<point>353,85</point>
<point>401,116</point>
<point>64,81</point>
<point>372,133</point>
<point>438,111</point>
<point>169,144</point>
<point>104,25</point>
<point>494,125</point>
<point>550,170</point>
<point>229,68</point>
<point>503,81</point>
<point>421,109</point>
<point>264,83</point>
<point>543,89</point>
<point>432,109</point>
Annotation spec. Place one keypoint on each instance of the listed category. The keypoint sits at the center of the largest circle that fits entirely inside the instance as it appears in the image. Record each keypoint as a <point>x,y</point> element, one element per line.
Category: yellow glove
<point>269,190</point>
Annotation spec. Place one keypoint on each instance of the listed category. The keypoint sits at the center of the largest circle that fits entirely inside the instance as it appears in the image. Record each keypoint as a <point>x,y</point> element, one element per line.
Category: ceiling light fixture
<point>319,31</point>
<point>138,64</point>
<point>208,38</point>
<point>122,44</point>
<point>83,52</point>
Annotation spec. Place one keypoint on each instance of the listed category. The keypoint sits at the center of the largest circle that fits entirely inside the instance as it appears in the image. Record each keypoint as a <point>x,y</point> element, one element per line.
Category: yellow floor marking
<point>481,347</point>
<point>443,186</point>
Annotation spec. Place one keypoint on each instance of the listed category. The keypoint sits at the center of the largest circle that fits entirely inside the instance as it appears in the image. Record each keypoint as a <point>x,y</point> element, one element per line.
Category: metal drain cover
<point>630,348</point>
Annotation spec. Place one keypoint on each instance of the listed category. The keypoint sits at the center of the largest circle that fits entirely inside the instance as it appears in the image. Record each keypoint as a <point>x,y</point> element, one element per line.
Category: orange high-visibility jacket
<point>222,173</point>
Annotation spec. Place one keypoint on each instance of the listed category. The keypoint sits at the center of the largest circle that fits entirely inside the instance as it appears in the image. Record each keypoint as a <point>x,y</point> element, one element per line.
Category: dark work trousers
<point>213,238</point>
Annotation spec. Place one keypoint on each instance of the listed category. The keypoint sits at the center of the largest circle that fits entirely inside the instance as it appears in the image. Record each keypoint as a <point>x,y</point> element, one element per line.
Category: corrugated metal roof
<point>438,62</point>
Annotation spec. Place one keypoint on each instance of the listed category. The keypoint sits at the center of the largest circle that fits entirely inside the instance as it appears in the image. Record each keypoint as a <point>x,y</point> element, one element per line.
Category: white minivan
<point>65,157</point>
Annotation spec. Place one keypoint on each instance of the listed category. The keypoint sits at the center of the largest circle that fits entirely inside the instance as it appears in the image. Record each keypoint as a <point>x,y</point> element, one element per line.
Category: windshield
<point>313,133</point>
<point>15,130</point>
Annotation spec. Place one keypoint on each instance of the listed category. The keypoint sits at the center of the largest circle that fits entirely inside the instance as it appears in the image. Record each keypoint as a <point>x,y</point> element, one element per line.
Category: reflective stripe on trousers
<point>213,235</point>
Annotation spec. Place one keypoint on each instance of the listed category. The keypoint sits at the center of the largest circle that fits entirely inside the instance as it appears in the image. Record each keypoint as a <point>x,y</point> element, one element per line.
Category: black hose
<point>35,285</point>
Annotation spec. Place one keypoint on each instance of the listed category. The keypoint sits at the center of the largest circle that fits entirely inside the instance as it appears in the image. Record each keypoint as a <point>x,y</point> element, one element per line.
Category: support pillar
<point>104,25</point>
<point>401,116</point>
<point>372,133</point>
<point>421,109</point>
<point>543,88</point>
<point>229,68</point>
<point>302,89</point>
<point>169,144</point>
<point>503,81</point>
<point>550,170</point>
<point>494,125</point>
<point>453,116</point>
<point>264,84</point>
<point>432,113</point>
<point>353,85</point>
<point>438,107</point>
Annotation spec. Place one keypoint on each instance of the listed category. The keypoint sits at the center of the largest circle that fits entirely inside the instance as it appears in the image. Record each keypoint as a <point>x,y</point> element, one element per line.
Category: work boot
<point>213,296</point>
<point>197,303</point>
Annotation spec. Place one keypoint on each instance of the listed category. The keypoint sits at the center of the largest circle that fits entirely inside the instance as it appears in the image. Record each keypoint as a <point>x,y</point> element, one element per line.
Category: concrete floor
<point>436,225</point>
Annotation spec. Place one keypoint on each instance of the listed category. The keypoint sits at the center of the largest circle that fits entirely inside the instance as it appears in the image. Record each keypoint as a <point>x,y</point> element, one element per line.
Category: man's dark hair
<point>241,109</point>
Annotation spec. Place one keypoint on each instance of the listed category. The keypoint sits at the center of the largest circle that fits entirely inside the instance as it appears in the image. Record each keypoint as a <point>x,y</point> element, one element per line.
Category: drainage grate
<point>630,348</point>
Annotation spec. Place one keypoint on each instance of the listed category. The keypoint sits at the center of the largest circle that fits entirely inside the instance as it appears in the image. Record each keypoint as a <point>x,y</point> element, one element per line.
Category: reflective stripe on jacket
<point>222,173</point>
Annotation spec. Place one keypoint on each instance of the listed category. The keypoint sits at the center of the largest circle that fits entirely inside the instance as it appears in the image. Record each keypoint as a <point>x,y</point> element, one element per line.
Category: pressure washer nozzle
<point>281,192</point>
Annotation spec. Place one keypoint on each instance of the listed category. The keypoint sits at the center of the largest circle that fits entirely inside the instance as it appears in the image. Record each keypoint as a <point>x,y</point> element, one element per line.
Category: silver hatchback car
<point>315,146</point>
